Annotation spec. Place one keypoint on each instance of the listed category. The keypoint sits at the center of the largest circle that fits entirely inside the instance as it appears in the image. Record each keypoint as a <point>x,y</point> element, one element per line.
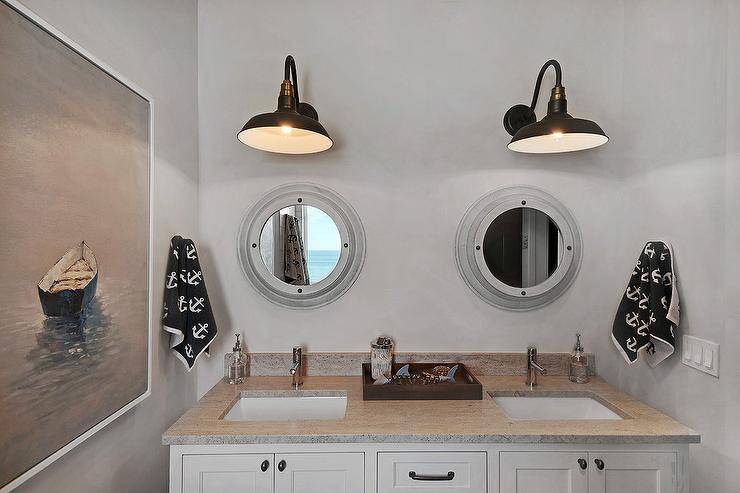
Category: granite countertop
<point>428,421</point>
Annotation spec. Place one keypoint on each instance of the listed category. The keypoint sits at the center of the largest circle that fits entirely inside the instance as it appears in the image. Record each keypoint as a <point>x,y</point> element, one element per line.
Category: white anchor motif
<point>189,350</point>
<point>663,255</point>
<point>667,279</point>
<point>632,319</point>
<point>664,302</point>
<point>631,344</point>
<point>651,318</point>
<point>183,275</point>
<point>201,331</point>
<point>174,252</point>
<point>194,277</point>
<point>656,277</point>
<point>633,293</point>
<point>637,268</point>
<point>649,250</point>
<point>172,280</point>
<point>190,251</point>
<point>645,277</point>
<point>182,304</point>
<point>195,304</point>
<point>643,302</point>
<point>165,310</point>
<point>643,328</point>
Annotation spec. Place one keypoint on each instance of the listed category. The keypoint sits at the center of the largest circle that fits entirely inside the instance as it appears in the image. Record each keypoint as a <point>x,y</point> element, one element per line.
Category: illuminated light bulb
<point>286,129</point>
<point>557,135</point>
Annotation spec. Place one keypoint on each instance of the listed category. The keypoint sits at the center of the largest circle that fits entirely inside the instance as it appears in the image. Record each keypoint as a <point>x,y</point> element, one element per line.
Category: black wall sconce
<point>556,132</point>
<point>293,128</point>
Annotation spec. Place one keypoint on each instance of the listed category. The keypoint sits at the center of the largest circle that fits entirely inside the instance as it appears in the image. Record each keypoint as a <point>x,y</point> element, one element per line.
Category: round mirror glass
<point>523,247</point>
<point>300,245</point>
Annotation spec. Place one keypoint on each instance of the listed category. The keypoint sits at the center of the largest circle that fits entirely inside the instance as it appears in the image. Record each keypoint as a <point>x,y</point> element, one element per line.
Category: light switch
<point>701,355</point>
<point>696,354</point>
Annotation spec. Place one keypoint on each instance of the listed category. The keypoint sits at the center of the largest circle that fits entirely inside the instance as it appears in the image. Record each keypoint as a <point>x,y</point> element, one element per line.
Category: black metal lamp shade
<point>293,128</point>
<point>287,132</point>
<point>556,132</point>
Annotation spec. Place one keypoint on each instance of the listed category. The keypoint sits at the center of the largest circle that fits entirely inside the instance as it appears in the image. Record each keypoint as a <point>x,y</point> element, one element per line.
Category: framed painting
<point>75,241</point>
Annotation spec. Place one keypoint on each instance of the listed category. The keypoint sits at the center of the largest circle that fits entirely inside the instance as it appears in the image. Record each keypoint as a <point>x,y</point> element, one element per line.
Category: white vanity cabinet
<point>320,473</point>
<point>551,472</point>
<point>634,472</point>
<point>271,473</point>
<point>223,473</point>
<point>440,467</point>
<point>589,472</point>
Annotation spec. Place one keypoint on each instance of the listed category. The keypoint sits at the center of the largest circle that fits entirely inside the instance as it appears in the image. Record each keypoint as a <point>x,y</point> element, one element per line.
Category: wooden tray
<point>466,386</point>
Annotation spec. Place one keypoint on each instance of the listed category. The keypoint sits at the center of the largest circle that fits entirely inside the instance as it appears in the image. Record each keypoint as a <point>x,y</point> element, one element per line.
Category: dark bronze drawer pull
<point>419,477</point>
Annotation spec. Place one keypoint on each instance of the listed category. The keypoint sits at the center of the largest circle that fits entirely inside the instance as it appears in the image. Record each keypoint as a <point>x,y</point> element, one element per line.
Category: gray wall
<point>730,391</point>
<point>413,94</point>
<point>685,53</point>
<point>153,44</point>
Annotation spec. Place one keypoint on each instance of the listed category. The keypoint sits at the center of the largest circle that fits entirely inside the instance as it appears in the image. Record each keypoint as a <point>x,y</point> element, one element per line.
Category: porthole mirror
<point>301,246</point>
<point>518,248</point>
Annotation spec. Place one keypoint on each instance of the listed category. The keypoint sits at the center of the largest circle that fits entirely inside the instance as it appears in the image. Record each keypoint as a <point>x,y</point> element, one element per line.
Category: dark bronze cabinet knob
<point>583,463</point>
<point>281,465</point>
<point>599,464</point>
<point>265,465</point>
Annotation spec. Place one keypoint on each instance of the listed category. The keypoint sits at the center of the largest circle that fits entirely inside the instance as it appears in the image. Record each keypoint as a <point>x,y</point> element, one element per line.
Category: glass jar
<point>381,357</point>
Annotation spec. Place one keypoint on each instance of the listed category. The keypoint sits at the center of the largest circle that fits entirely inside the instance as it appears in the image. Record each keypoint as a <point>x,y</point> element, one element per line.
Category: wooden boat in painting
<point>70,285</point>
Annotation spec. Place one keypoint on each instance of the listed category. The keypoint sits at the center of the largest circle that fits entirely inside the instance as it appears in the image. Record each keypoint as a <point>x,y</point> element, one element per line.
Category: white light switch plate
<point>701,355</point>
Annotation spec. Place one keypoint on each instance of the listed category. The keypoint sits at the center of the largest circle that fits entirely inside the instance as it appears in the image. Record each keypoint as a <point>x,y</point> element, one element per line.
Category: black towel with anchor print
<point>187,312</point>
<point>648,316</point>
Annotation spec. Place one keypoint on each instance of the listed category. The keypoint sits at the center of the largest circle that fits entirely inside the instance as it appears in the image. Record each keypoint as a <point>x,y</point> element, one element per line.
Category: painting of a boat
<point>69,286</point>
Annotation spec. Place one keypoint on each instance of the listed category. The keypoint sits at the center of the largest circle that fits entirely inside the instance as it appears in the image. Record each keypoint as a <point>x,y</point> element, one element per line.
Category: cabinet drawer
<point>429,472</point>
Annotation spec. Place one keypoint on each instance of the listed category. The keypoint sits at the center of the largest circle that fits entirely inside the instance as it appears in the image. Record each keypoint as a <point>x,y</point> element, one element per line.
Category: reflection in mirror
<point>522,247</point>
<point>300,245</point>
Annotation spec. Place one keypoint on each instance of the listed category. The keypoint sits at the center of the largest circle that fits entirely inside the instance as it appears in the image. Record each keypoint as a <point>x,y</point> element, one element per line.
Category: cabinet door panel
<point>320,473</point>
<point>550,472</point>
<point>221,473</point>
<point>633,472</point>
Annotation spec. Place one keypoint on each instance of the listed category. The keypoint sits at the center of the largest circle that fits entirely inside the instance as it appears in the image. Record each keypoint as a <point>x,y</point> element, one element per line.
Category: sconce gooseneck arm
<point>290,75</point>
<point>558,79</point>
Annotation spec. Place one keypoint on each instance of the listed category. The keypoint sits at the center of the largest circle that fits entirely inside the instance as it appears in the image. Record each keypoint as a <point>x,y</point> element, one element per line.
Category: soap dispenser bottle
<point>578,367</point>
<point>235,364</point>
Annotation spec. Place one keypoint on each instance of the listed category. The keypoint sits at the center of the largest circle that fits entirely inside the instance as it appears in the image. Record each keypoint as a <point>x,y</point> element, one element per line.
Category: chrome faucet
<point>533,368</point>
<point>297,369</point>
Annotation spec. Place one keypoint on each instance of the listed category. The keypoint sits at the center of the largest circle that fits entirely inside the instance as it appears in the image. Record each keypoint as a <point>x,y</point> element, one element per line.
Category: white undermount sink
<point>288,405</point>
<point>552,408</point>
